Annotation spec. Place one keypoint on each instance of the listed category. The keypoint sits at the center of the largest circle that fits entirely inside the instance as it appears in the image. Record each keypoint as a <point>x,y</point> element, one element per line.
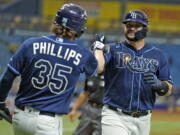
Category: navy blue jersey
<point>50,67</point>
<point>125,87</point>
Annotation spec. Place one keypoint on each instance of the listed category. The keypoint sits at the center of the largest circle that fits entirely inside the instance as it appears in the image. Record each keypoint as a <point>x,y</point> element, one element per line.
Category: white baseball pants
<point>117,123</point>
<point>29,122</point>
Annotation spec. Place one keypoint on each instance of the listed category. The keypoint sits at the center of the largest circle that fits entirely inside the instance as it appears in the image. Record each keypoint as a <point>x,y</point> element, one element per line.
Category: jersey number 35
<point>52,76</point>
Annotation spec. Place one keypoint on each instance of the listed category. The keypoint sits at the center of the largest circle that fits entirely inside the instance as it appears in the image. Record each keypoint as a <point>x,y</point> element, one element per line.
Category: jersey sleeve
<point>17,61</point>
<point>164,71</point>
<point>107,56</point>
<point>91,64</point>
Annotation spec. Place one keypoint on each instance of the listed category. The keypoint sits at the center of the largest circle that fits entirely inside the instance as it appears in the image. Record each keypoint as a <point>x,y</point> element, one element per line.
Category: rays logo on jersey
<point>136,64</point>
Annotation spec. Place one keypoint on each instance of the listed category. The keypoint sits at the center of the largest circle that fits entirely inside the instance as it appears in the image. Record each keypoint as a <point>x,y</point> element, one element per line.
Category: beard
<point>131,38</point>
<point>138,35</point>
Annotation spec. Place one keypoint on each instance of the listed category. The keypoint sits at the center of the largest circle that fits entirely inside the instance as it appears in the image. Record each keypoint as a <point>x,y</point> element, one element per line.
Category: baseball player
<point>90,119</point>
<point>135,71</point>
<point>49,67</point>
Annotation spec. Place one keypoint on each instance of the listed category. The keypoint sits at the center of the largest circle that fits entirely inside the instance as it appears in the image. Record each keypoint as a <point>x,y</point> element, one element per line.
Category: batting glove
<point>160,87</point>
<point>99,44</point>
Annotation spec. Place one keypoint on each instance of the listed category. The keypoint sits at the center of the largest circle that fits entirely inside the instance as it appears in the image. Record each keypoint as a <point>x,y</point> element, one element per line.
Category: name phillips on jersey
<point>62,52</point>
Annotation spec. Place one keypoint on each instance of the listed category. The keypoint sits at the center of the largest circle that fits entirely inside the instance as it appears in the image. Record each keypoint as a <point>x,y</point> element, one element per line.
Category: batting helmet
<point>73,17</point>
<point>136,16</point>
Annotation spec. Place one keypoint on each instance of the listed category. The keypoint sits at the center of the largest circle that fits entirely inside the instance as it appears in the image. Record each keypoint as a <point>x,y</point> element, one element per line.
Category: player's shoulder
<point>154,47</point>
<point>58,40</point>
<point>115,45</point>
<point>86,50</point>
<point>32,39</point>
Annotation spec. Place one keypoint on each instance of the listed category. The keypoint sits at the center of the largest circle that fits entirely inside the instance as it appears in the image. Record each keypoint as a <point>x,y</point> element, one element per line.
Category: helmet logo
<point>73,17</point>
<point>133,15</point>
<point>64,21</point>
<point>84,15</point>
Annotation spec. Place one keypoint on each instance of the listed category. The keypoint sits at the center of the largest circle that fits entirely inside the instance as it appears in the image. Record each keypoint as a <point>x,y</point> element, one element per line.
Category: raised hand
<point>99,44</point>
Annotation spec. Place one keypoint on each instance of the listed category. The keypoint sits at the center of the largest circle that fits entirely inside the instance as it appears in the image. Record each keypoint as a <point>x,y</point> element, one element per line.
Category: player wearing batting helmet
<point>135,71</point>
<point>49,67</point>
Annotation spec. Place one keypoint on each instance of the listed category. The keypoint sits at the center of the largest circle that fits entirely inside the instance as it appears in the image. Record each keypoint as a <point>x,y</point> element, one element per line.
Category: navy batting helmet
<point>73,17</point>
<point>136,16</point>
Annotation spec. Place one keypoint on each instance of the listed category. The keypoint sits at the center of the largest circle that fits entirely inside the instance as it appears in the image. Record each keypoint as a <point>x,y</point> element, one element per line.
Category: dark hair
<point>62,31</point>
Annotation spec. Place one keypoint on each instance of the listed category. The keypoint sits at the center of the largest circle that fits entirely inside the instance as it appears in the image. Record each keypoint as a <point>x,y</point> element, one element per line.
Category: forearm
<point>101,61</point>
<point>81,100</point>
<point>170,87</point>
<point>6,82</point>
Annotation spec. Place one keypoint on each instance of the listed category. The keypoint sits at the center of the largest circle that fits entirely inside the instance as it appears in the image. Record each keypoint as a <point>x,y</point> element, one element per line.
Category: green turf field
<point>165,128</point>
<point>69,127</point>
<point>159,127</point>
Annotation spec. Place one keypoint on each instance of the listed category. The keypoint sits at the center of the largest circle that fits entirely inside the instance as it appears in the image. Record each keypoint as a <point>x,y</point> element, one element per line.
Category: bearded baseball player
<point>49,67</point>
<point>135,72</point>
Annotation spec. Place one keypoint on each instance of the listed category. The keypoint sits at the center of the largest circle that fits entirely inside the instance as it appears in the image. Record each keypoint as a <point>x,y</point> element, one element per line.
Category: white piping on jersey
<point>13,69</point>
<point>58,42</point>
<point>132,90</point>
<point>69,44</point>
<point>157,48</point>
<point>143,52</point>
<point>149,50</point>
<point>139,86</point>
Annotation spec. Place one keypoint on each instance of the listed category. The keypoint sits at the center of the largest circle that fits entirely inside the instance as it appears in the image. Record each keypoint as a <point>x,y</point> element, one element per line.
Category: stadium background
<point>21,19</point>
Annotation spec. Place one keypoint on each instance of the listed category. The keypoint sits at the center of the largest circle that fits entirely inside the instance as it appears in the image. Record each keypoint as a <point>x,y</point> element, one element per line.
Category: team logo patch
<point>59,40</point>
<point>127,59</point>
<point>136,63</point>
<point>64,21</point>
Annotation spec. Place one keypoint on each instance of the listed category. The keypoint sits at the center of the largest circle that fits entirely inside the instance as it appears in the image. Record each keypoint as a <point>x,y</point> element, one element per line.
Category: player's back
<point>50,67</point>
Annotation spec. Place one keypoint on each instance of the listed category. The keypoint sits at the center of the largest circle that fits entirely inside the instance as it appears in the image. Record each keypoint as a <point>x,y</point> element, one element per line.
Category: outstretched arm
<point>79,102</point>
<point>101,61</point>
<point>99,48</point>
<point>170,88</point>
<point>6,82</point>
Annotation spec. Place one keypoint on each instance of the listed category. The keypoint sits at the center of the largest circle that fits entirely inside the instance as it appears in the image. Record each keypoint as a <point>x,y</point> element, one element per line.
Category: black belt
<point>133,114</point>
<point>40,112</point>
<point>94,104</point>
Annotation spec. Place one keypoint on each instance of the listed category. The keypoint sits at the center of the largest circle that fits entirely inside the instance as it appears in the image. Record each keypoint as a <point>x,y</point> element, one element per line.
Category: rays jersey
<point>50,67</point>
<point>124,87</point>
